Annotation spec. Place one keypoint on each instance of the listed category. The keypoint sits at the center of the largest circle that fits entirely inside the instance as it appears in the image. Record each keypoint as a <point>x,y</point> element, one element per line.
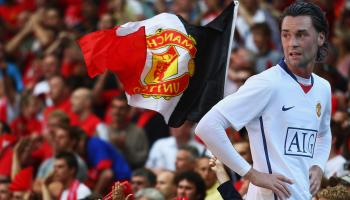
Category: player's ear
<point>321,38</point>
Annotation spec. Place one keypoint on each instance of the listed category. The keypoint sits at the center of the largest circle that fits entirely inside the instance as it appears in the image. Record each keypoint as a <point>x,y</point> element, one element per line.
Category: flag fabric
<point>23,180</point>
<point>164,63</point>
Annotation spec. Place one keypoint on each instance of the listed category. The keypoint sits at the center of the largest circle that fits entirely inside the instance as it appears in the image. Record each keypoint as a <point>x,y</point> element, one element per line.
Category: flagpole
<point>235,12</point>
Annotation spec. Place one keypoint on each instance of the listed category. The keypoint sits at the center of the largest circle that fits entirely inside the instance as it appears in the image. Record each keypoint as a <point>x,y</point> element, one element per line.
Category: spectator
<point>163,153</point>
<point>214,8</point>
<point>55,120</point>
<point>142,178</point>
<point>342,44</point>
<point>241,60</point>
<point>329,71</point>
<point>266,55</point>
<point>250,12</point>
<point>149,194</point>
<point>209,177</point>
<point>243,148</point>
<point>65,170</point>
<point>50,65</point>
<point>11,82</point>
<point>72,66</point>
<point>187,9</point>
<point>186,158</point>
<point>190,185</point>
<point>59,96</point>
<point>165,184</point>
<point>27,123</point>
<point>130,140</point>
<point>226,189</point>
<point>45,31</point>
<point>10,69</point>
<point>152,123</point>
<point>81,101</point>
<point>65,140</point>
<point>126,10</point>
<point>335,163</point>
<point>105,163</point>
<point>238,77</point>
<point>88,16</point>
<point>106,21</point>
<point>4,189</point>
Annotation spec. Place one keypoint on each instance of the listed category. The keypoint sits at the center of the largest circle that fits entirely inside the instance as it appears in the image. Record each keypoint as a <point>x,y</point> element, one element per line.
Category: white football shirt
<point>289,130</point>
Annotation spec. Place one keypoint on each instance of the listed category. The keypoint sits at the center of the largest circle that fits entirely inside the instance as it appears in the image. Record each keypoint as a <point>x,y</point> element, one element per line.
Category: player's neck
<point>304,81</point>
<point>304,72</point>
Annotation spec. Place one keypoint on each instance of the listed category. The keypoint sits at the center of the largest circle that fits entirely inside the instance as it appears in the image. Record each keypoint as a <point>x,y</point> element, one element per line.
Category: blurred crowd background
<point>60,129</point>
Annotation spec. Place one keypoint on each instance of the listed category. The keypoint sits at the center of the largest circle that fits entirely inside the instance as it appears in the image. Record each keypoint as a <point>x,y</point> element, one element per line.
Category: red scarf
<point>72,191</point>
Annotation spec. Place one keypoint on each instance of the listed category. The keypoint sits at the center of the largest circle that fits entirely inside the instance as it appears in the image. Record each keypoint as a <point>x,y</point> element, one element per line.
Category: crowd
<point>65,136</point>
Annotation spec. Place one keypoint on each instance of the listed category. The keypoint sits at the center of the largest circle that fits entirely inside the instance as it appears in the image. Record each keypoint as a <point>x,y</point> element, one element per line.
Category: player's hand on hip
<point>275,182</point>
<point>315,176</point>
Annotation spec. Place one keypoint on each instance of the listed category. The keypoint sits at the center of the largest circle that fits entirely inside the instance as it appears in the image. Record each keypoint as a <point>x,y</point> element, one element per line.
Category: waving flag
<point>165,63</point>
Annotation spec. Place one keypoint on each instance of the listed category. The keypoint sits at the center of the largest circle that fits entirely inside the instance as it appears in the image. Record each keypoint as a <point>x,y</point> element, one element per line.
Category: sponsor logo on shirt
<point>300,142</point>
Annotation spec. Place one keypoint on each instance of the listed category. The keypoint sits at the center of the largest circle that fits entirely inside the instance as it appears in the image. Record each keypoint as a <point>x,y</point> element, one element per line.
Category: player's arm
<point>322,148</point>
<point>237,110</point>
<point>211,129</point>
<point>321,154</point>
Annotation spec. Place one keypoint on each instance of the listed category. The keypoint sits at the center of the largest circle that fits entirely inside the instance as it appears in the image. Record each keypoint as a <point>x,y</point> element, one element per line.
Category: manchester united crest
<point>318,109</point>
<point>170,65</point>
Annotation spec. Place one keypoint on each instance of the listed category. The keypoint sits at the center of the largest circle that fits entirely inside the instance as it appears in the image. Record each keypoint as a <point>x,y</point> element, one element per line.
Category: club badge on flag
<point>166,64</point>
<point>169,72</point>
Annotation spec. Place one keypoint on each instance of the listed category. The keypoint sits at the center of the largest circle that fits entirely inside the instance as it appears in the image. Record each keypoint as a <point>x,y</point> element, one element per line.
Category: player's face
<point>300,41</point>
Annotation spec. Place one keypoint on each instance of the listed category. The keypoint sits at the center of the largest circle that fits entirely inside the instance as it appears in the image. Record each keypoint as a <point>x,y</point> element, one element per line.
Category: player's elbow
<point>204,129</point>
<point>196,131</point>
<point>200,129</point>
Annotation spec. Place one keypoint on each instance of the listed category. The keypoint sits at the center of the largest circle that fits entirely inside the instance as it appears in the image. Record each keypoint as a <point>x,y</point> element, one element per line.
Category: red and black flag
<point>165,63</point>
